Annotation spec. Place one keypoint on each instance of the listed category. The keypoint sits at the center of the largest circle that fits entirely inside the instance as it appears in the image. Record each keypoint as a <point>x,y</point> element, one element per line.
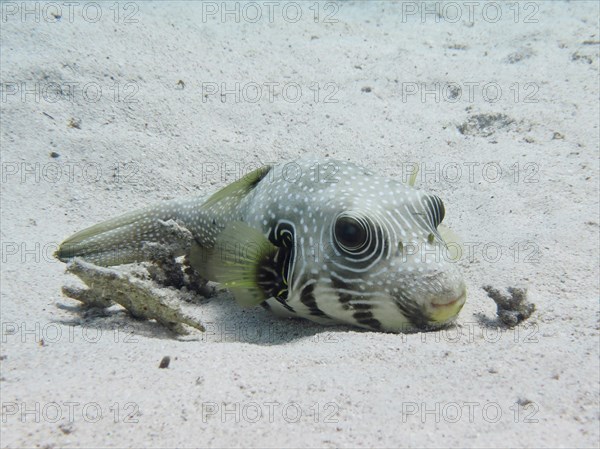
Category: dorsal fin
<point>240,188</point>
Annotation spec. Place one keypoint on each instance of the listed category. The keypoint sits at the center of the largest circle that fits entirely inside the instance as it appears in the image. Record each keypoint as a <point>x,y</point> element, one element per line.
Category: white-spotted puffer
<point>320,239</point>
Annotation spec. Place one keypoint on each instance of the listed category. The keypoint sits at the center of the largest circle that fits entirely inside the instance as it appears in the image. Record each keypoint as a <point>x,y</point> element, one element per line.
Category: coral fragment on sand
<point>512,309</point>
<point>142,298</point>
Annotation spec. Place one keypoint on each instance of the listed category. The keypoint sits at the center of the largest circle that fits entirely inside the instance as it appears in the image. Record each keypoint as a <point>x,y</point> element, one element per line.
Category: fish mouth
<point>449,303</point>
<point>443,310</point>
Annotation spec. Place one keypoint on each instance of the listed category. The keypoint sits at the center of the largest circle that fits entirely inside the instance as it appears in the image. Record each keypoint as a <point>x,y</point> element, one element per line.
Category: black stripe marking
<point>268,306</point>
<point>367,319</point>
<point>344,299</point>
<point>307,298</point>
<point>272,274</point>
<point>285,305</point>
<point>362,312</point>
<point>413,313</point>
<point>265,305</point>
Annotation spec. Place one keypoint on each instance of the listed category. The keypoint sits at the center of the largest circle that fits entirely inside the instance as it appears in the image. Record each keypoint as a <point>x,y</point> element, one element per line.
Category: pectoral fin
<point>240,258</point>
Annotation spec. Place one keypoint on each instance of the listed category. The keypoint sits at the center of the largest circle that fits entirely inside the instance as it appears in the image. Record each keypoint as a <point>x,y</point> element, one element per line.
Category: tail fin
<point>122,239</point>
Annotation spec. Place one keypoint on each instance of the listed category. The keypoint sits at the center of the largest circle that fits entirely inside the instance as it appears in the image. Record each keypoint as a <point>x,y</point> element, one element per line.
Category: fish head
<point>384,257</point>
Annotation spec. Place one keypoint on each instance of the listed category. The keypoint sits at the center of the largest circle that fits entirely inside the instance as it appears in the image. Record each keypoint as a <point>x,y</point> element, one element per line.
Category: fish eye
<point>351,234</point>
<point>438,211</point>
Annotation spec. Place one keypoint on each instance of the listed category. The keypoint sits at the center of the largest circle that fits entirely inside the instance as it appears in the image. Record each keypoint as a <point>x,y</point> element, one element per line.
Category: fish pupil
<point>350,233</point>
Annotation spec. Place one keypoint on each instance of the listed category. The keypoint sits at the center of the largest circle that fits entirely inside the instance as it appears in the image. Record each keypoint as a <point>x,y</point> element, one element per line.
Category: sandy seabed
<point>107,107</point>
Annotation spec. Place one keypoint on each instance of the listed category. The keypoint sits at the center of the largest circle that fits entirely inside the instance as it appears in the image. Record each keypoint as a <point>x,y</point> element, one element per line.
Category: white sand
<point>310,385</point>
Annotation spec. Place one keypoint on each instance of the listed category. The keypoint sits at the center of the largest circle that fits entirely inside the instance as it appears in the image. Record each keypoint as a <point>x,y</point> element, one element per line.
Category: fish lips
<point>446,308</point>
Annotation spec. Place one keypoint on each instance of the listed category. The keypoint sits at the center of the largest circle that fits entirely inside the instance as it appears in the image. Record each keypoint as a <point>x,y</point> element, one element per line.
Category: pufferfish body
<point>321,239</point>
